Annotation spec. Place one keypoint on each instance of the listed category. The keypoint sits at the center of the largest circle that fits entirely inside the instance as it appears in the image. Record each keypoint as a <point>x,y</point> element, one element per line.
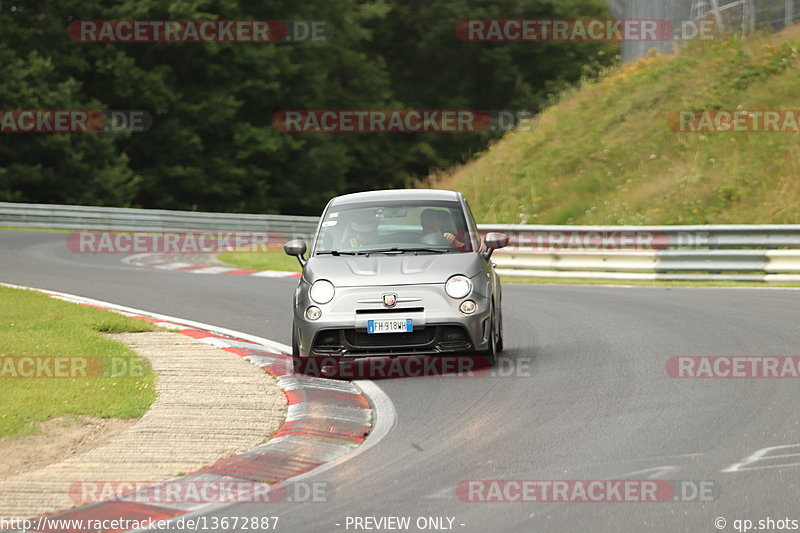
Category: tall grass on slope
<point>605,153</point>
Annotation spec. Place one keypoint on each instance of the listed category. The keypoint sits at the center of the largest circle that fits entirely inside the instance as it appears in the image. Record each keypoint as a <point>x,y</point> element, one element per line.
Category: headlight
<point>458,286</point>
<point>322,291</point>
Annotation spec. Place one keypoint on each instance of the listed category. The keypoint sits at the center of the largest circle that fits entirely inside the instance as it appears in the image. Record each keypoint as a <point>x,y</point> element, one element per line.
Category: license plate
<point>402,325</point>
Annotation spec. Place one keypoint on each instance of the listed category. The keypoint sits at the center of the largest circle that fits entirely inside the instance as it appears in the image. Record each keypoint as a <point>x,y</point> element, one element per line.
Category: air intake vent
<point>392,310</point>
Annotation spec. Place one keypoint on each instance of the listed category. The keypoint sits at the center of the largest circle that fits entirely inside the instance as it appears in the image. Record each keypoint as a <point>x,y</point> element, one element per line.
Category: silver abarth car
<point>398,272</point>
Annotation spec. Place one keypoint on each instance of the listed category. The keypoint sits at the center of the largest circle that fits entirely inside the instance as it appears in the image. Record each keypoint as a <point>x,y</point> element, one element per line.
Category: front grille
<point>381,311</point>
<point>430,340</point>
<point>414,338</point>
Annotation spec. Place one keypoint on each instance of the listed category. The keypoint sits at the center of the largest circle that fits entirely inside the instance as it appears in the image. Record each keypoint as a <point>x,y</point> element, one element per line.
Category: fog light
<point>313,313</point>
<point>468,307</point>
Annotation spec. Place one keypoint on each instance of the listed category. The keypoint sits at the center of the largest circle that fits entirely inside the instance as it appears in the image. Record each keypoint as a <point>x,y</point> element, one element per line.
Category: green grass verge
<point>261,261</point>
<point>36,325</point>
<point>48,230</point>
<point>607,153</point>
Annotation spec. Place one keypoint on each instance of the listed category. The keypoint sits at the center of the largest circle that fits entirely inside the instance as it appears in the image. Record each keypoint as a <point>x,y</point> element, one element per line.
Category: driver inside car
<point>433,223</point>
<point>364,231</point>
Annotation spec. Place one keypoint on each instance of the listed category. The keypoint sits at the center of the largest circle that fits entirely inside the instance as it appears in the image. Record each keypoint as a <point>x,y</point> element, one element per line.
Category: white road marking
<point>445,493</point>
<point>761,455</point>
<point>648,473</point>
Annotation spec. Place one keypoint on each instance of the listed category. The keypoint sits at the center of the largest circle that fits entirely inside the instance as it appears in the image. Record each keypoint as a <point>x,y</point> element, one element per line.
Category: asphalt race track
<point>588,398</point>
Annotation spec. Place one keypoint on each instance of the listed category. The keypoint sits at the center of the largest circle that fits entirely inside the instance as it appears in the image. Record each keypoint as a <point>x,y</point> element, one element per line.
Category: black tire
<point>297,361</point>
<point>295,347</point>
<point>491,352</point>
<point>500,334</point>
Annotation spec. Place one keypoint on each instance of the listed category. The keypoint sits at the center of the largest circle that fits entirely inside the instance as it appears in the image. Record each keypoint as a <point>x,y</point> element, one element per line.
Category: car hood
<point>385,269</point>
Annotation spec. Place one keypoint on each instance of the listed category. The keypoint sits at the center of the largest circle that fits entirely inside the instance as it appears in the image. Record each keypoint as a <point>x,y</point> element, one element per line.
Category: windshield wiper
<point>401,250</point>
<point>337,253</point>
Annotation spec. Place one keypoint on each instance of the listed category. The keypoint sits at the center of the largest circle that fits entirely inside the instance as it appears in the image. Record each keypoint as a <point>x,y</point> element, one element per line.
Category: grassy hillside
<point>605,153</point>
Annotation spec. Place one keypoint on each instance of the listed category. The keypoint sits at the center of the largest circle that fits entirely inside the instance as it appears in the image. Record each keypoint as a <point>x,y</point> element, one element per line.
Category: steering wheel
<point>435,239</point>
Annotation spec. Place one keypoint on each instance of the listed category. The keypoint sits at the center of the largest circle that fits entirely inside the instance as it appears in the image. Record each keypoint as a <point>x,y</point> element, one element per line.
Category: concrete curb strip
<point>210,405</point>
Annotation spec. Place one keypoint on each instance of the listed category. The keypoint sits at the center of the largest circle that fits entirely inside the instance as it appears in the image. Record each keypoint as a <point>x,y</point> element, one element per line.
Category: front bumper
<point>438,325</point>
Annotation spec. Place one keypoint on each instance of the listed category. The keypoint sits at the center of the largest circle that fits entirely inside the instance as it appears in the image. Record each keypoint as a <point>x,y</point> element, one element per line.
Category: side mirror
<point>495,241</point>
<point>296,248</point>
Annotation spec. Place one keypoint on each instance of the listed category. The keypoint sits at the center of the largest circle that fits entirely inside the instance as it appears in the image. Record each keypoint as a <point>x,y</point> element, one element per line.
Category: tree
<point>212,145</point>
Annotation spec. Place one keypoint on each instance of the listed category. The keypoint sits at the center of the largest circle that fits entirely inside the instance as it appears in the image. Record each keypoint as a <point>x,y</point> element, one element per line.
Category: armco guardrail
<point>688,253</point>
<point>657,237</point>
<point>734,253</point>
<point>123,219</point>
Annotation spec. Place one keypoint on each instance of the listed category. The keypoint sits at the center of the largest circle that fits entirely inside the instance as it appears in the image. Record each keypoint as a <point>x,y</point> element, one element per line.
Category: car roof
<point>397,195</point>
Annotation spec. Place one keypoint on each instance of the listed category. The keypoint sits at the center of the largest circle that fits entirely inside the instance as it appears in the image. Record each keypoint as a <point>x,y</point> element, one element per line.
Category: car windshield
<point>394,228</point>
